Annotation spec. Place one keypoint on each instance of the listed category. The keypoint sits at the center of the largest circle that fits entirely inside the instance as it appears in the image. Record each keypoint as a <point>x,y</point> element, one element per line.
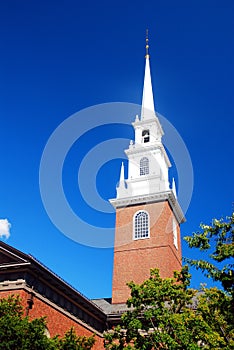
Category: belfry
<point>148,215</point>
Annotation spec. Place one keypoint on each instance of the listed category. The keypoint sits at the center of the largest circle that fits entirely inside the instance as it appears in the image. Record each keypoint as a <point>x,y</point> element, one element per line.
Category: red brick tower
<point>148,215</point>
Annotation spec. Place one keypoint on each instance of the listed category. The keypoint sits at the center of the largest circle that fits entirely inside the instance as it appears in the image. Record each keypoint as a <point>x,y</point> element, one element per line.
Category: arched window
<point>141,225</point>
<point>144,166</point>
<point>146,136</point>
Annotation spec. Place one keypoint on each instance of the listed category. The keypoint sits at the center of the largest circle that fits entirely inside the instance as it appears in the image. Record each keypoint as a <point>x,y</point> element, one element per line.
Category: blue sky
<point>58,58</point>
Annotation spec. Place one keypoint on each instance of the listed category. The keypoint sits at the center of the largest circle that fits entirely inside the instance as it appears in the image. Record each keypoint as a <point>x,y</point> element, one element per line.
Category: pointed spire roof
<point>121,179</point>
<point>121,187</point>
<point>147,106</point>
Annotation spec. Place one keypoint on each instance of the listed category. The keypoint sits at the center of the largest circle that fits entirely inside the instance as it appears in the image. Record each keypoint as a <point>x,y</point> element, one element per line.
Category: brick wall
<point>134,258</point>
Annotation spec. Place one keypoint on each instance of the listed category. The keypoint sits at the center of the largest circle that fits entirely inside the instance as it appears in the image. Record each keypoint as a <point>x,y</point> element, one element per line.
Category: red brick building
<point>45,294</point>
<point>148,218</point>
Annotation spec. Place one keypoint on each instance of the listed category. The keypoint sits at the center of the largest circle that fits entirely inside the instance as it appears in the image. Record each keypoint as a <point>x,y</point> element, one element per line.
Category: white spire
<point>147,108</point>
<point>121,179</point>
<point>121,188</point>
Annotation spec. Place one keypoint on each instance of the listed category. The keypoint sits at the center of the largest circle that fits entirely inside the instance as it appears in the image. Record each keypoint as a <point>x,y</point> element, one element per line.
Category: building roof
<point>16,265</point>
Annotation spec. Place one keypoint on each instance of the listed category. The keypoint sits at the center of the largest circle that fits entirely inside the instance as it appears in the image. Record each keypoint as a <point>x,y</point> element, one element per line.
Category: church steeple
<point>148,162</point>
<point>147,109</point>
<point>148,215</point>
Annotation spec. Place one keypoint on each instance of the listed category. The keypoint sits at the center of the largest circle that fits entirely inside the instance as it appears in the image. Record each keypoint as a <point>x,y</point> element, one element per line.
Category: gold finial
<point>147,44</point>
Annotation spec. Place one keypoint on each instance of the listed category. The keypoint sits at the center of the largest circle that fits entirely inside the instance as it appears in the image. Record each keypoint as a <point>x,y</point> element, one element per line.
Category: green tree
<point>19,333</point>
<point>217,240</point>
<point>164,315</point>
<point>71,341</point>
<point>216,308</point>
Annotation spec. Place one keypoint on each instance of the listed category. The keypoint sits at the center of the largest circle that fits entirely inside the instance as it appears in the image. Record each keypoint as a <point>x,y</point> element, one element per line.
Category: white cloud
<point>4,228</point>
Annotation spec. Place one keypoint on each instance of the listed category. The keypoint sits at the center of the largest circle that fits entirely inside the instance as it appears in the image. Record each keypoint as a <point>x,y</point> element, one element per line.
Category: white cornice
<point>150,121</point>
<point>142,178</point>
<point>138,148</point>
<point>151,198</point>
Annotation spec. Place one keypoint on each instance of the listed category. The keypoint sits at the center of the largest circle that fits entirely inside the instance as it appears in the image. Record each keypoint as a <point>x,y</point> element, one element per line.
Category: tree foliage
<point>71,341</point>
<point>19,333</point>
<point>218,240</point>
<point>166,314</point>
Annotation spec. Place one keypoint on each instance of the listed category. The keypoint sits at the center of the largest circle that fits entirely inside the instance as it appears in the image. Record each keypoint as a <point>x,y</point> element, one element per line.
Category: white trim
<point>13,254</point>
<point>151,198</point>
<point>140,178</point>
<point>3,266</point>
<point>143,148</point>
<point>150,122</point>
<point>175,233</point>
